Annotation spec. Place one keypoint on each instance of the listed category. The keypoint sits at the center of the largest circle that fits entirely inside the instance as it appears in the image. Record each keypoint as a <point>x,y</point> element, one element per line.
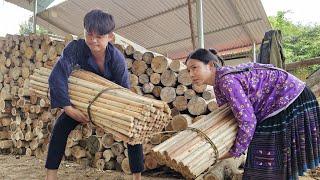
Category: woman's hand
<point>225,156</point>
<point>76,114</point>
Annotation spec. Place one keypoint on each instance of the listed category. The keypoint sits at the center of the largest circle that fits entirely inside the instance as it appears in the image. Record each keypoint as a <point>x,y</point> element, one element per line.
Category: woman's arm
<point>243,111</point>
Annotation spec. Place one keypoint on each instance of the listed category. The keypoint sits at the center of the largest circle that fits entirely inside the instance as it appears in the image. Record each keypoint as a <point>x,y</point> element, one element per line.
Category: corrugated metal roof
<point>28,4</point>
<point>163,25</point>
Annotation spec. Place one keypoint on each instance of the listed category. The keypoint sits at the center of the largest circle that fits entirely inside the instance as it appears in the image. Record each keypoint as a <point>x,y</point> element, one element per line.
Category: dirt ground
<point>31,168</point>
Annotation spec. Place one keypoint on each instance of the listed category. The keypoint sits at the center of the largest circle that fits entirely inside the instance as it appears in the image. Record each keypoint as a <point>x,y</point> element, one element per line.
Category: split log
<point>125,166</point>
<point>108,154</point>
<point>137,55</point>
<point>174,112</point>
<point>5,144</point>
<point>181,122</point>
<point>129,63</point>
<point>177,66</point>
<point>197,105</point>
<point>120,158</point>
<point>134,80</point>
<point>147,87</point>
<point>143,78</point>
<point>86,131</point>
<point>168,94</point>
<point>5,135</point>
<point>184,78</point>
<point>117,148</point>
<point>78,152</point>
<point>150,162</point>
<point>156,91</point>
<point>169,78</point>
<point>147,57</point>
<point>212,105</point>
<point>208,94</point>
<point>136,89</point>
<point>93,144</point>
<point>119,47</point>
<point>199,88</point>
<point>155,78</point>
<point>100,164</point>
<point>111,165</point>
<point>180,103</point>
<point>181,89</point>
<point>129,50</point>
<point>107,140</point>
<point>149,71</point>
<point>189,93</point>
<point>159,64</point>
<point>156,139</point>
<point>139,67</point>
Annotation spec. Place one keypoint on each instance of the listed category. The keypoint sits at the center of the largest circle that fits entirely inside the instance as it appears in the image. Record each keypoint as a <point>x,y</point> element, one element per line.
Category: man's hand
<point>76,114</point>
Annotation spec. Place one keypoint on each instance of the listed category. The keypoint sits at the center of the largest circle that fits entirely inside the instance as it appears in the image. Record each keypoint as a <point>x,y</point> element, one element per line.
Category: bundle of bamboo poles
<point>131,117</point>
<point>189,153</point>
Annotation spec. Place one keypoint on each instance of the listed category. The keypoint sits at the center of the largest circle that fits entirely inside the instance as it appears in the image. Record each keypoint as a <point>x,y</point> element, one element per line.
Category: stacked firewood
<point>27,119</point>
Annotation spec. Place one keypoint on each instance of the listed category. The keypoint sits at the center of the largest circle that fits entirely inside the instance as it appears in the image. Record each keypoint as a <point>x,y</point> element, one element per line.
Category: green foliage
<point>300,42</point>
<point>27,28</point>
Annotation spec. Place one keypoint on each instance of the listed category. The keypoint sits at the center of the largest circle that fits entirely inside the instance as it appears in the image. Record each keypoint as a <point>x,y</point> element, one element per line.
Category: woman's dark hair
<point>99,22</point>
<point>206,56</point>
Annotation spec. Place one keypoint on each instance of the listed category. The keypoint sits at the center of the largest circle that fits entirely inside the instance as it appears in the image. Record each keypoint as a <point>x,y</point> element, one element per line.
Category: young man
<point>97,55</point>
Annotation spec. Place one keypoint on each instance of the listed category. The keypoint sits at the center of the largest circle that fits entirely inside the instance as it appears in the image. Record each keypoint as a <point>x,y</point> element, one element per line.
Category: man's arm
<point>58,79</point>
<point>58,82</point>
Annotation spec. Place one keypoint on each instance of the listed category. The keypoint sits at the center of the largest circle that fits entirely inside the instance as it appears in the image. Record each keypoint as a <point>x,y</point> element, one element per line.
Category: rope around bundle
<point>94,99</point>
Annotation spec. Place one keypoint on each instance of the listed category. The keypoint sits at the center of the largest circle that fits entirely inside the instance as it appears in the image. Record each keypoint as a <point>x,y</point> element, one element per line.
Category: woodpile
<point>131,117</point>
<point>194,150</point>
<point>26,119</point>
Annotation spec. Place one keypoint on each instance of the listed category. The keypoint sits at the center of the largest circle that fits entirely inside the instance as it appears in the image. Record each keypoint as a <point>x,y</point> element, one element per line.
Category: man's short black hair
<point>99,22</point>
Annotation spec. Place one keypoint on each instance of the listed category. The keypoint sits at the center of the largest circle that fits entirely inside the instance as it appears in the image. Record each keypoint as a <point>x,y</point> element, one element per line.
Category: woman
<point>97,55</point>
<point>278,116</point>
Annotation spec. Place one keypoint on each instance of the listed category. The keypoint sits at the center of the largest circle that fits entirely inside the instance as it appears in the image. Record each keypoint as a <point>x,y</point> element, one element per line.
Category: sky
<point>303,12</point>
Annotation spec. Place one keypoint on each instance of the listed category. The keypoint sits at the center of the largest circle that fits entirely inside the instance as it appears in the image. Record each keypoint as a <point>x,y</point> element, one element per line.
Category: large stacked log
<point>131,117</point>
<point>189,153</point>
